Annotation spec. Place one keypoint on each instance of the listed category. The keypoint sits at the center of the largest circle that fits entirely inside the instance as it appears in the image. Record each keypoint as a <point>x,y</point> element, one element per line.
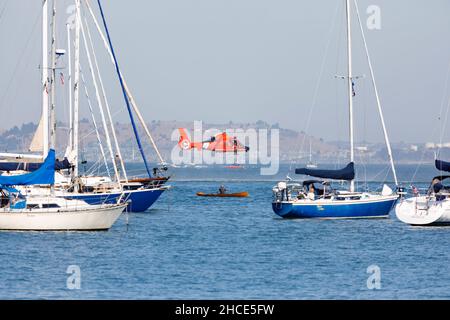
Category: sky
<point>248,60</point>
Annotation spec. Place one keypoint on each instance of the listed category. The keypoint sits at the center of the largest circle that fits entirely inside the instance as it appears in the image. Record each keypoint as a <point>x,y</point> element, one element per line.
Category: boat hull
<point>368,208</point>
<point>84,219</point>
<point>138,200</point>
<point>142,200</point>
<point>421,211</point>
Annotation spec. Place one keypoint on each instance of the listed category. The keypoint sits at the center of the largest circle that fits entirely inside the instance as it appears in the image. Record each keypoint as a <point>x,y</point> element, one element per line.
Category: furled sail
<point>442,165</point>
<point>44,175</point>
<point>36,144</point>
<point>33,166</point>
<point>347,173</point>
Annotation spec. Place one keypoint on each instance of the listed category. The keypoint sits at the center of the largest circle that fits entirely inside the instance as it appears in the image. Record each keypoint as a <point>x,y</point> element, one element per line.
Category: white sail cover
<point>70,155</point>
<point>37,144</point>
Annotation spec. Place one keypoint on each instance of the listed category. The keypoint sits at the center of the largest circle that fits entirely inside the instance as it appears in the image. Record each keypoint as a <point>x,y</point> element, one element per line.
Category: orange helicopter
<point>221,142</point>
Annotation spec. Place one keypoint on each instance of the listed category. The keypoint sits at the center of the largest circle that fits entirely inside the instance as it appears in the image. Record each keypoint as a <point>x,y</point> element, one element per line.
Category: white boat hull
<point>422,211</point>
<point>95,218</point>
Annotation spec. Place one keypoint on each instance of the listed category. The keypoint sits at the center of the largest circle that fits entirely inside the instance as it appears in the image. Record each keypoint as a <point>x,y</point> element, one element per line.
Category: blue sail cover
<point>347,173</point>
<point>442,165</point>
<point>44,175</point>
<point>33,166</point>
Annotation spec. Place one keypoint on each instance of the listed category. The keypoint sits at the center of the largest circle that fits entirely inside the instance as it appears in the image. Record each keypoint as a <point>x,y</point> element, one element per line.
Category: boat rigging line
<point>125,96</point>
<point>380,110</point>
<point>319,80</point>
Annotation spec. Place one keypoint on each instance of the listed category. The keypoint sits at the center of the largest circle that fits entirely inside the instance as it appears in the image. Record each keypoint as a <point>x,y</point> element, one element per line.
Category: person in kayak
<point>222,189</point>
<point>312,192</point>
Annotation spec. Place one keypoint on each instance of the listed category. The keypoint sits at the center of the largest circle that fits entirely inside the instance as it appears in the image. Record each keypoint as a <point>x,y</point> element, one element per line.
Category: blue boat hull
<point>140,200</point>
<point>358,209</point>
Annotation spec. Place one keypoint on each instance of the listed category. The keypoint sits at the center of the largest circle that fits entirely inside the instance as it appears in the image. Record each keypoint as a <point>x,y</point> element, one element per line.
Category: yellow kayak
<point>224,195</point>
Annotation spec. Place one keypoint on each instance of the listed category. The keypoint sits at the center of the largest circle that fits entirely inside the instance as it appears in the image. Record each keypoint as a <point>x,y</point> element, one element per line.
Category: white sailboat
<point>48,212</point>
<point>66,216</point>
<point>315,198</point>
<point>432,208</point>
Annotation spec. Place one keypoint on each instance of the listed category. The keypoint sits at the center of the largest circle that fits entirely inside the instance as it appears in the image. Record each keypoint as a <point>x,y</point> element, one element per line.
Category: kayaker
<point>312,192</point>
<point>222,189</point>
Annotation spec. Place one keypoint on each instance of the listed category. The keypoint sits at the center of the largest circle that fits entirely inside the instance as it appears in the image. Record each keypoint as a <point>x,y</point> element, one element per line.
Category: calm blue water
<point>188,247</point>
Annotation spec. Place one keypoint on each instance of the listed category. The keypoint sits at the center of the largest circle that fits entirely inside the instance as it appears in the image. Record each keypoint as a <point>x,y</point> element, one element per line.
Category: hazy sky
<point>248,60</point>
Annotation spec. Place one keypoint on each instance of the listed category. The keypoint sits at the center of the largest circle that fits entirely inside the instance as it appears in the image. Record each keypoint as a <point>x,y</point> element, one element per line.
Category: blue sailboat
<point>148,190</point>
<point>140,193</point>
<point>139,200</point>
<point>317,198</point>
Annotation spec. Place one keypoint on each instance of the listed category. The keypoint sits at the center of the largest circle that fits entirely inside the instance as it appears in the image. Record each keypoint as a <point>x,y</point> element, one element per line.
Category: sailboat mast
<point>44,69</point>
<point>69,58</point>
<point>99,102</point>
<point>310,149</point>
<point>130,96</point>
<point>76,87</point>
<point>52,81</point>
<point>350,89</point>
<point>52,89</point>
<point>105,99</point>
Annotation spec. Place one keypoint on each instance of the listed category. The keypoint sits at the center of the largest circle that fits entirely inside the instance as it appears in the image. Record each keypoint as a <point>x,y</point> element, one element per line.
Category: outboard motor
<point>282,189</point>
<point>401,191</point>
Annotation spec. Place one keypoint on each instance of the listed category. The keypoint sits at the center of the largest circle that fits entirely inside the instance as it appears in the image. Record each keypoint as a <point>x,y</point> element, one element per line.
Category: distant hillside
<point>17,139</point>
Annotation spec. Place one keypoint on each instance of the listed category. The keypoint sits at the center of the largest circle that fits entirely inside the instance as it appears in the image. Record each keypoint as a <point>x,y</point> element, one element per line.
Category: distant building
<point>362,149</point>
<point>432,145</point>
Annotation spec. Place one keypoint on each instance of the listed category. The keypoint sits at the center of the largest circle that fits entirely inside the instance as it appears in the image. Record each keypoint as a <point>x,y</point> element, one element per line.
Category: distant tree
<point>13,131</point>
<point>261,124</point>
<point>28,128</point>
